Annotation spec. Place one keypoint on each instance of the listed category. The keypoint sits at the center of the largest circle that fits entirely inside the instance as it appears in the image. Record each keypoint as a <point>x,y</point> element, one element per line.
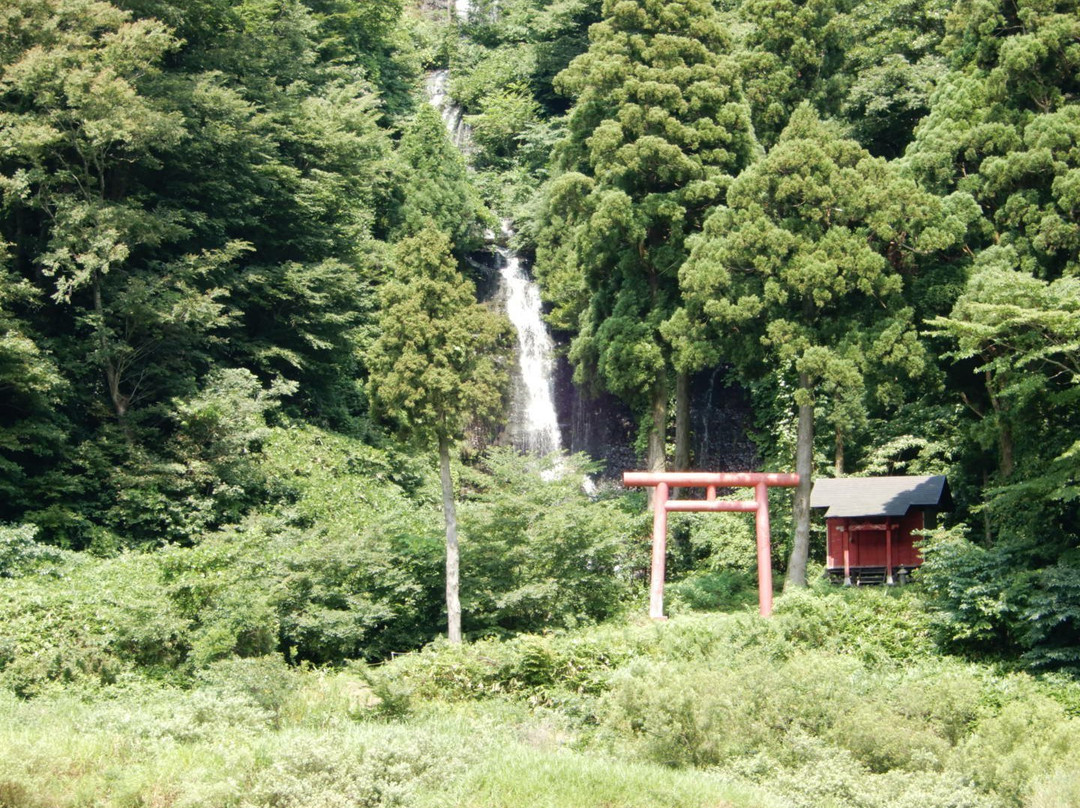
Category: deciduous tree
<point>1004,127</point>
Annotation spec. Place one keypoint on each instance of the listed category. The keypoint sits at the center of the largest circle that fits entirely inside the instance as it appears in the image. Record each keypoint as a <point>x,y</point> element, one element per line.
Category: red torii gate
<point>664,481</point>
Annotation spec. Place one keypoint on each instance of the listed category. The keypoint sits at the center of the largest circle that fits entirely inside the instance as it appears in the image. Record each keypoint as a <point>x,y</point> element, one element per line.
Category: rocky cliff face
<point>605,428</point>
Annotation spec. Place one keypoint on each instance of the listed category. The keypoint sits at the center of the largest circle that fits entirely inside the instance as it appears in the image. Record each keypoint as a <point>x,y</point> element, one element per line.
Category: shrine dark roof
<point>879,496</point>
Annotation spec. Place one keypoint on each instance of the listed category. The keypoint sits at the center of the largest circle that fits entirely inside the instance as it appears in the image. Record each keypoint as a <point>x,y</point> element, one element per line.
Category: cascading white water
<point>534,426</point>
<point>465,12</point>
<point>533,423</point>
<point>437,86</point>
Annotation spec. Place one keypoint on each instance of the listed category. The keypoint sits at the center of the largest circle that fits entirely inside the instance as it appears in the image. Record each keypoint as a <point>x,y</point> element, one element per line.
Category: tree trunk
<point>656,459</point>
<point>23,251</point>
<point>682,427</point>
<point>1004,431</point>
<point>804,458</point>
<point>1005,447</point>
<point>453,563</point>
<point>839,466</point>
<point>682,422</point>
<point>112,373</point>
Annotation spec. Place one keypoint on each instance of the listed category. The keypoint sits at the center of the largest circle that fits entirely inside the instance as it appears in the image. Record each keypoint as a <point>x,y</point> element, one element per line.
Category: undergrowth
<point>839,699</point>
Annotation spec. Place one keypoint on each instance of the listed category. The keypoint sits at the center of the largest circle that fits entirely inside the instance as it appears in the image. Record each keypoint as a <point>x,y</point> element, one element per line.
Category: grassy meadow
<point>840,699</point>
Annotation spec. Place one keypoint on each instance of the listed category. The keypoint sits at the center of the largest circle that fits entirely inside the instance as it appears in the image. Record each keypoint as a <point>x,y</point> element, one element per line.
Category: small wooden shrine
<point>870,523</point>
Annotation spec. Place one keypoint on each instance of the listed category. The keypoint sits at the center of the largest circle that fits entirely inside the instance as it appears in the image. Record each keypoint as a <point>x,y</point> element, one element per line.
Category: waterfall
<point>465,12</point>
<point>533,423</point>
<point>437,86</point>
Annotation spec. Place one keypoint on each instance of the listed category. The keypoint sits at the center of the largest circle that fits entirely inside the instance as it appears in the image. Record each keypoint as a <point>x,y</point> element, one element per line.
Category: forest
<point>265,539</point>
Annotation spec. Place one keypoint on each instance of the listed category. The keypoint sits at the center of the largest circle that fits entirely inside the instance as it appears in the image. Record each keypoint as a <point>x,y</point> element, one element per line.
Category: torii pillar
<point>710,481</point>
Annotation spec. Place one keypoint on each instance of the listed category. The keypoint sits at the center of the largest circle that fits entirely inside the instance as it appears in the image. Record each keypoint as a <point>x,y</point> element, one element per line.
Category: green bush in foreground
<point>21,555</point>
<point>539,553</point>
<point>145,745</point>
<point>839,699</point>
<point>348,565</point>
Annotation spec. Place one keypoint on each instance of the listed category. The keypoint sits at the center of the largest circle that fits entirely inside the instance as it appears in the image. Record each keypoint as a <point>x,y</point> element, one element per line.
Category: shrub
<point>1006,599</point>
<point>223,587</point>
<point>537,552</point>
<point>1051,617</point>
<point>744,702</point>
<point>529,665</point>
<point>1059,789</point>
<point>725,590</point>
<point>21,555</point>
<point>98,620</point>
<point>883,740</point>
<point>267,586</point>
<point>972,606</point>
<point>505,114</point>
<point>267,682</point>
<point>944,695</point>
<point>875,624</point>
<point>316,772</point>
<point>206,473</point>
<point>704,715</point>
<point>390,696</point>
<point>480,73</point>
<point>350,568</point>
<point>821,775</point>
<point>725,541</point>
<point>1028,738</point>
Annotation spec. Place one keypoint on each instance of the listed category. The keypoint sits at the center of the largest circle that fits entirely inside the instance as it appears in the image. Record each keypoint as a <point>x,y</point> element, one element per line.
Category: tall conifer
<point>437,366</point>
<point>656,131</point>
<point>798,278</point>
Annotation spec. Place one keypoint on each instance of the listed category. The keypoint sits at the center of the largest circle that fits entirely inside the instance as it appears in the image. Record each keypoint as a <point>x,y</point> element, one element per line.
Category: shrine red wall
<point>867,549</point>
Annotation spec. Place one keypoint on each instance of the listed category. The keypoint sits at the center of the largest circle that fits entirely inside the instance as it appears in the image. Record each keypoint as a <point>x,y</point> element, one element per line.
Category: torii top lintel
<point>703,479</point>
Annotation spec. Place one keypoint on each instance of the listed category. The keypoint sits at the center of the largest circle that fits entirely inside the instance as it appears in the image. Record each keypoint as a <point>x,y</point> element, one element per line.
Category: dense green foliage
<point>544,555</point>
<point>799,277</point>
<point>239,262</point>
<point>920,303</point>
<point>655,134</point>
<point>349,566</point>
<point>186,193</point>
<point>839,699</point>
